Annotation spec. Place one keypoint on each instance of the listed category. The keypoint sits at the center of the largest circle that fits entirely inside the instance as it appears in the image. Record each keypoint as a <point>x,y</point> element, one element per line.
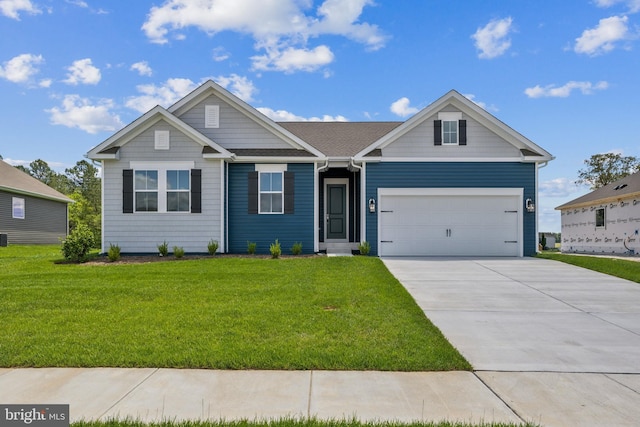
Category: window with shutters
<point>450,129</point>
<point>146,190</point>
<point>178,191</point>
<point>271,194</point>
<point>162,187</point>
<point>211,116</point>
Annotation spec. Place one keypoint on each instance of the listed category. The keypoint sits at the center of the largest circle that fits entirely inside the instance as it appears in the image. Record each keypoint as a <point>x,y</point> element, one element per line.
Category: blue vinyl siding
<point>455,175</point>
<point>265,229</point>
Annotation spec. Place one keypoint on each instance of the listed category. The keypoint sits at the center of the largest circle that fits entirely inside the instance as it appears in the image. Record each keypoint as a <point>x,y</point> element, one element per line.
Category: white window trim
<point>260,193</point>
<point>275,167</point>
<point>162,140</point>
<point>17,206</point>
<point>162,168</point>
<point>450,117</point>
<point>211,116</point>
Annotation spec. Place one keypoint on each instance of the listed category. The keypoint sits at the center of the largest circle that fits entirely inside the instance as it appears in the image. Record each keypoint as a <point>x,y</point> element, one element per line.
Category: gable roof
<point>340,139</point>
<point>15,181</point>
<point>109,149</point>
<point>629,186</point>
<point>210,87</point>
<point>529,150</point>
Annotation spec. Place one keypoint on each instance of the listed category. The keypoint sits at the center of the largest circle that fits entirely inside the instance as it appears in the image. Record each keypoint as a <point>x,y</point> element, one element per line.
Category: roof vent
<point>620,187</point>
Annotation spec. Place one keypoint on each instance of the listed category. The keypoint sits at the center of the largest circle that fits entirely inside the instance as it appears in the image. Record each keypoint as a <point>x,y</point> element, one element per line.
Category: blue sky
<point>566,74</point>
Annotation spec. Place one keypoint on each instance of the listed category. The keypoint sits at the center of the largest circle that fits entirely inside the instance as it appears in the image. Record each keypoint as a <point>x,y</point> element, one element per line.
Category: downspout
<point>363,216</point>
<point>538,167</point>
<point>316,204</point>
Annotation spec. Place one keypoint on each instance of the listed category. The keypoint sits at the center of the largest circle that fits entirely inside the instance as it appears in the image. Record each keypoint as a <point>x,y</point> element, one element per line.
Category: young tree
<point>603,169</point>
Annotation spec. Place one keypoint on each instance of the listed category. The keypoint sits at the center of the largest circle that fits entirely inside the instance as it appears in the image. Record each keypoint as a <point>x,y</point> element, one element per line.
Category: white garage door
<point>450,222</point>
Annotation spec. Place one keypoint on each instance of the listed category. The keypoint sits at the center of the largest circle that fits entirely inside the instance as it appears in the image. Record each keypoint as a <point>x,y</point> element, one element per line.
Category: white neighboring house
<point>605,221</point>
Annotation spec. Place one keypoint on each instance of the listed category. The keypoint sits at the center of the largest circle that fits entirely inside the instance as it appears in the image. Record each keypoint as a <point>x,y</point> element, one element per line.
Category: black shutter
<point>252,193</point>
<point>127,191</point>
<point>289,192</point>
<point>437,132</point>
<point>462,126</point>
<point>196,190</point>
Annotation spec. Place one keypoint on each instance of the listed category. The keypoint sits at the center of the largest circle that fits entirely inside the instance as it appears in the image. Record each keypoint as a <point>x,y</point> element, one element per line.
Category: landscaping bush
<point>251,247</point>
<point>77,245</point>
<point>364,247</point>
<point>114,252</point>
<point>296,249</point>
<point>178,251</point>
<point>212,247</point>
<point>163,248</point>
<point>275,249</point>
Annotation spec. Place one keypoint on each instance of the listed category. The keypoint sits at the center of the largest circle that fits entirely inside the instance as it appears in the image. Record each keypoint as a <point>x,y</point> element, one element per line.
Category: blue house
<point>451,181</point>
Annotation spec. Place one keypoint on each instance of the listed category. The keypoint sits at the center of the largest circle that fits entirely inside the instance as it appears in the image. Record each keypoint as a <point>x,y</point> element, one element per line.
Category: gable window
<point>600,218</point>
<point>450,129</point>
<point>178,191</point>
<point>17,207</point>
<point>271,184</point>
<point>146,190</point>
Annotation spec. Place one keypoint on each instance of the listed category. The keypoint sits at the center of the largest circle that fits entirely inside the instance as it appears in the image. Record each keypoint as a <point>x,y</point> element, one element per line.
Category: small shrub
<point>251,247</point>
<point>178,251</point>
<point>163,249</point>
<point>212,247</point>
<point>296,249</point>
<point>114,252</point>
<point>77,245</point>
<point>275,249</point>
<point>364,247</point>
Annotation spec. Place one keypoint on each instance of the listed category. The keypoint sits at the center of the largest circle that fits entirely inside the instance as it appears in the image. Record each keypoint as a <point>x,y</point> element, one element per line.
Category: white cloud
<point>603,38</point>
<point>12,8</point>
<point>21,68</point>
<point>82,71</point>
<point>165,95</point>
<point>77,112</point>
<point>492,40</point>
<point>220,54</point>
<point>633,5</point>
<point>471,97</point>
<point>45,83</point>
<point>401,107</point>
<point>559,187</point>
<point>286,116</point>
<point>142,68</point>
<point>240,86</point>
<point>552,91</point>
<point>79,3</point>
<point>291,60</point>
<point>281,27</point>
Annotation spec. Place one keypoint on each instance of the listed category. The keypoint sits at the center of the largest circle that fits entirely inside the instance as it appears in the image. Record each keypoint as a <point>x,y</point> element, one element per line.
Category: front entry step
<point>339,249</point>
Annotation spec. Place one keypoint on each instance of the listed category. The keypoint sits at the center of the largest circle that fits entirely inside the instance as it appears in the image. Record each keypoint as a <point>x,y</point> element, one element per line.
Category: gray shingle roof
<point>15,181</point>
<point>628,186</point>
<point>340,139</point>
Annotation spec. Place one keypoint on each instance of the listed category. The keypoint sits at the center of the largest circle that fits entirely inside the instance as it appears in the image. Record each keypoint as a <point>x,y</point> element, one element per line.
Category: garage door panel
<point>468,225</point>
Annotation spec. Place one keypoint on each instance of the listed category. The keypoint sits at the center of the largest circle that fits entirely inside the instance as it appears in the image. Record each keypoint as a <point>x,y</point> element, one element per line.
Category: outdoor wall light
<point>372,205</point>
<point>531,207</point>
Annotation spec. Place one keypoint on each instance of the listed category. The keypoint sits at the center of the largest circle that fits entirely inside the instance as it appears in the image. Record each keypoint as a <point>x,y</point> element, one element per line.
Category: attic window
<point>161,141</point>
<point>620,187</point>
<point>211,116</point>
<point>450,129</point>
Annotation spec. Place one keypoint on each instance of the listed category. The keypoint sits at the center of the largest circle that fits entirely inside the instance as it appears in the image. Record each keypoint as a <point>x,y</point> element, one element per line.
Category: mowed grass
<point>622,268</point>
<point>292,423</point>
<point>222,312</point>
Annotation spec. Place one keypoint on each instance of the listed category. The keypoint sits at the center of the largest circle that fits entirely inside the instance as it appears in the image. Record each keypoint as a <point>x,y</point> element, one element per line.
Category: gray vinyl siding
<point>454,175</point>
<point>142,232</point>
<point>236,131</point>
<point>45,221</point>
<point>481,142</point>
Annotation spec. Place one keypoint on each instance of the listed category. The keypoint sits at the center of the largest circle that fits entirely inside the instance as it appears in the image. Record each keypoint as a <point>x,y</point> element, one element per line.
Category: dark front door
<point>336,211</point>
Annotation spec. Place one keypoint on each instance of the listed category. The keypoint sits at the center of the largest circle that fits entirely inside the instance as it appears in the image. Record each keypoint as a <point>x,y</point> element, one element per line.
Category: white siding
<point>579,232</point>
<point>235,130</point>
<point>142,232</point>
<point>481,143</point>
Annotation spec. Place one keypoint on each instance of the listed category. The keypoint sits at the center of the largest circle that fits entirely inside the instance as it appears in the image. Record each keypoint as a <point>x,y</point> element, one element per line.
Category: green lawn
<point>629,270</point>
<point>223,313</point>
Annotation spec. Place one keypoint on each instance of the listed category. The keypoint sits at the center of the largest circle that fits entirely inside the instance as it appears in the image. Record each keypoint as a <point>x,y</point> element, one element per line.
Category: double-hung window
<point>271,194</point>
<point>146,190</point>
<point>178,191</point>
<point>450,132</point>
<point>17,207</point>
<point>450,129</point>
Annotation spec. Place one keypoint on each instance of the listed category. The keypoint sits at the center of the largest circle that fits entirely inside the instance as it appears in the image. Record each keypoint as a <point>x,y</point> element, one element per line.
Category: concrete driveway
<point>558,344</point>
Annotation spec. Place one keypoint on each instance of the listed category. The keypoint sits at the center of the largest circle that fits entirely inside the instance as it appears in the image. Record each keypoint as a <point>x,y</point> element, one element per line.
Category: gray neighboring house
<point>31,212</point>
<point>604,221</point>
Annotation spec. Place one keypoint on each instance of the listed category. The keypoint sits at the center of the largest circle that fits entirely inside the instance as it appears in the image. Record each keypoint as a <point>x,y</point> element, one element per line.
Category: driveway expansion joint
<point>145,379</point>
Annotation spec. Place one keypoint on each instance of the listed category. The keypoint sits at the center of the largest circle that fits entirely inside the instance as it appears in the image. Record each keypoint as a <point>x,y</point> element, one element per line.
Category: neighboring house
<point>606,220</point>
<point>452,181</point>
<point>549,238</point>
<point>30,212</point>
